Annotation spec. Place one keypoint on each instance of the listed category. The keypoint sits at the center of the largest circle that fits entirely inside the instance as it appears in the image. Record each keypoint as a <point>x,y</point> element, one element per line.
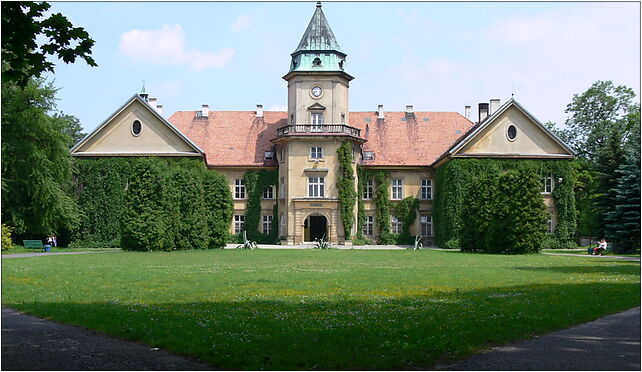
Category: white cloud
<point>278,108</point>
<point>243,21</point>
<point>167,46</point>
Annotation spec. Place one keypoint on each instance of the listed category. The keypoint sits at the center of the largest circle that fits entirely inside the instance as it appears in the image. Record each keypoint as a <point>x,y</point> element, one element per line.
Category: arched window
<point>316,62</point>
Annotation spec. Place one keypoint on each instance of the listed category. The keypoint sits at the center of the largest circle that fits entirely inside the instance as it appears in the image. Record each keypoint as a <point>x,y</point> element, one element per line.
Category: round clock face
<point>316,91</point>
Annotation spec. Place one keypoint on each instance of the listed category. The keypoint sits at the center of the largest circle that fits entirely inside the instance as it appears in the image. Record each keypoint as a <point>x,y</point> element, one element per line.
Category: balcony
<point>320,129</point>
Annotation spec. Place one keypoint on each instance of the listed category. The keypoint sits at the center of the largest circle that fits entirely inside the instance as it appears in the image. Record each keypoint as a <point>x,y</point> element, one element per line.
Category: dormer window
<point>269,155</point>
<point>316,62</point>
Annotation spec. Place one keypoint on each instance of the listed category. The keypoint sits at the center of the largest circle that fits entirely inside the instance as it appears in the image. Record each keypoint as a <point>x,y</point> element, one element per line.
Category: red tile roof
<point>238,138</point>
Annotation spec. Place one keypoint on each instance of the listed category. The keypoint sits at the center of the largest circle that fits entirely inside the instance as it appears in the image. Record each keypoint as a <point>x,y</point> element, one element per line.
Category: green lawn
<point>21,249</point>
<point>320,309</point>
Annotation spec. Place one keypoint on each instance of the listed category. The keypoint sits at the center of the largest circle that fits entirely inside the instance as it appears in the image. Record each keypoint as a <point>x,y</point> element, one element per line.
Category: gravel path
<point>18,255</point>
<point>30,343</point>
<point>595,256</point>
<point>611,343</point>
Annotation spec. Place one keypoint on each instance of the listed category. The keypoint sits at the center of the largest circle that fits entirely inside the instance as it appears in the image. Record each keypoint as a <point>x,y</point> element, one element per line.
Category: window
<point>268,192</point>
<point>282,188</point>
<point>239,223</point>
<point>397,189</point>
<point>511,133</point>
<point>368,226</point>
<point>316,62</point>
<point>368,189</point>
<point>426,189</point>
<point>396,225</point>
<point>317,121</point>
<point>239,189</point>
<point>269,155</point>
<point>136,127</point>
<point>368,155</point>
<point>267,224</point>
<point>315,187</point>
<point>282,155</point>
<point>426,226</point>
<point>548,184</point>
<point>316,153</point>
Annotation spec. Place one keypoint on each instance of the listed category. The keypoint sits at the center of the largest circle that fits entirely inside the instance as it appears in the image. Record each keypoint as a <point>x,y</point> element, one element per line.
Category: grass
<point>320,309</point>
<point>20,249</point>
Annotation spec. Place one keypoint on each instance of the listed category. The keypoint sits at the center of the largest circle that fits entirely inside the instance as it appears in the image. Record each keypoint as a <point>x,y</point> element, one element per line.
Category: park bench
<point>33,244</point>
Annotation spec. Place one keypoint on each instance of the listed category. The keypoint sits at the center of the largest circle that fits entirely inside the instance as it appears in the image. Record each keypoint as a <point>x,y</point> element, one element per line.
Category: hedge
<point>461,183</point>
<point>151,204</point>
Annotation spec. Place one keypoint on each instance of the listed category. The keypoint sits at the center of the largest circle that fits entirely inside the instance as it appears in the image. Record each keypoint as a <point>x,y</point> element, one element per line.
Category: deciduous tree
<point>22,23</point>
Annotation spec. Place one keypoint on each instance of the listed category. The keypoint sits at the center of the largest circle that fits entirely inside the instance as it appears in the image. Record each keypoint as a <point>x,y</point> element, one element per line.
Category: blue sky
<point>436,56</point>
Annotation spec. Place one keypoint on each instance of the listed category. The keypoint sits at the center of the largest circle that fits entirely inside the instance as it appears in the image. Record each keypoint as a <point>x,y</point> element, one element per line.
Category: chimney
<point>380,114</point>
<point>494,105</point>
<point>467,112</point>
<point>483,111</point>
<point>205,111</point>
<point>159,109</point>
<point>409,110</point>
<point>152,101</point>
<point>259,111</point>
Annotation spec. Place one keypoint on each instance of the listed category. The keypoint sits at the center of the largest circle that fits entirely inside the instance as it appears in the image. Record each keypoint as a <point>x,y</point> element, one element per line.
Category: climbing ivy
<point>345,187</point>
<point>458,183</point>
<point>151,204</point>
<point>383,207</point>
<point>406,211</point>
<point>255,182</point>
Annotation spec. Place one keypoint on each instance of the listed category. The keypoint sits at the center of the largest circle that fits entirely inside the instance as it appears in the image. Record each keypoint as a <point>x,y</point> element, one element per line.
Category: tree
<point>36,165</point>
<point>69,125</point>
<point>22,24</point>
<point>623,221</point>
<point>599,127</point>
<point>595,115</point>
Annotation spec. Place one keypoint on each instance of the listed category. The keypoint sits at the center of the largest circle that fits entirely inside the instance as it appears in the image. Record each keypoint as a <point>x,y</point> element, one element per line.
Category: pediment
<point>513,133</point>
<point>116,137</point>
<point>316,106</point>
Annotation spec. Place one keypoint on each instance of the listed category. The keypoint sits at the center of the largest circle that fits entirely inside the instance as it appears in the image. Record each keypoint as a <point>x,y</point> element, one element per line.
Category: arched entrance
<point>315,227</point>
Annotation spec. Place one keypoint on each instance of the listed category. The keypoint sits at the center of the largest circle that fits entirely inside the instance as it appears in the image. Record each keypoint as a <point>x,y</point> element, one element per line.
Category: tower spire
<point>143,94</point>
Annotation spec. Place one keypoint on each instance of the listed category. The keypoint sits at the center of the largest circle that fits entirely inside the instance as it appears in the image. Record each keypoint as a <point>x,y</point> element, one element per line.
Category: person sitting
<point>601,247</point>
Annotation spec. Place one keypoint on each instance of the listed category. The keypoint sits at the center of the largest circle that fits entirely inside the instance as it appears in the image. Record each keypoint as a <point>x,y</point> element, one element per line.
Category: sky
<point>435,56</point>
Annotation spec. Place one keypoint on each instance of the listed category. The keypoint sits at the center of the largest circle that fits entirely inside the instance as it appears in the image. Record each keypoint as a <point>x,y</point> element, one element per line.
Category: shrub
<point>7,243</point>
<point>144,223</point>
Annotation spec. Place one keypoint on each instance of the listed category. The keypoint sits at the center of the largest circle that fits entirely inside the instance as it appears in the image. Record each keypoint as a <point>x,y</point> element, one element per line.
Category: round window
<point>512,132</point>
<point>136,127</point>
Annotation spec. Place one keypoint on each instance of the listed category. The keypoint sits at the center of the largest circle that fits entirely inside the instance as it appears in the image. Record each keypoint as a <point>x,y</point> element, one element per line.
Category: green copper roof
<point>318,36</point>
<point>318,50</point>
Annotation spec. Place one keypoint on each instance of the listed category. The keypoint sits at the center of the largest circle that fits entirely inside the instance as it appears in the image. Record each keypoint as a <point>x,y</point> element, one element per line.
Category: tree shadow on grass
<point>369,332</point>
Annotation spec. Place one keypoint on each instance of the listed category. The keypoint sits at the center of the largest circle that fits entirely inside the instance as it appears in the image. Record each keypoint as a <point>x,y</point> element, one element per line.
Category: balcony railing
<point>318,129</point>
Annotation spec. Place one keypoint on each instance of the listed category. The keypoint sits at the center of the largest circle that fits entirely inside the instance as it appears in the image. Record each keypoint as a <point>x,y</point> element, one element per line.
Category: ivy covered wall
<point>151,204</point>
<point>457,181</point>
<point>255,182</point>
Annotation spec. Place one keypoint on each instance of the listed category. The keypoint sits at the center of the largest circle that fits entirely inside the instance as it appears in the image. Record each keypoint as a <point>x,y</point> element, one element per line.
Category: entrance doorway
<point>315,227</point>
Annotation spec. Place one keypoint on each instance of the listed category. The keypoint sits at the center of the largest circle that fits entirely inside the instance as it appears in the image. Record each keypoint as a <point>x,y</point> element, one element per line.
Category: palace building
<point>301,145</point>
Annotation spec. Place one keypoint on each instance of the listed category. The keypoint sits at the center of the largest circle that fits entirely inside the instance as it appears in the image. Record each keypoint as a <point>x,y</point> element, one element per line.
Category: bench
<point>33,244</point>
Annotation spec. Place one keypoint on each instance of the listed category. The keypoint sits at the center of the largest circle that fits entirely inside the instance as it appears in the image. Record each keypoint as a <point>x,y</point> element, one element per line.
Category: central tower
<point>317,81</point>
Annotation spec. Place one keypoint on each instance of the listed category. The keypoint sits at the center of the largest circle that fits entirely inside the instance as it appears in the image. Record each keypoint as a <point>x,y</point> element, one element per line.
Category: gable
<point>115,136</point>
<point>491,139</point>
